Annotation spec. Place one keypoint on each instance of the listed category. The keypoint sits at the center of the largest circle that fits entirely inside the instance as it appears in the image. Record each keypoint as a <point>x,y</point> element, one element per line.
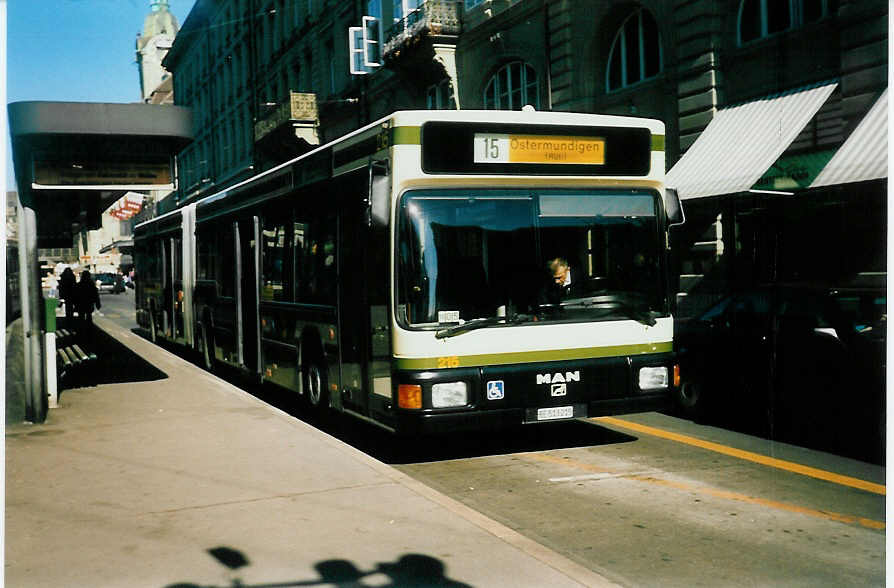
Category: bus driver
<point>559,286</point>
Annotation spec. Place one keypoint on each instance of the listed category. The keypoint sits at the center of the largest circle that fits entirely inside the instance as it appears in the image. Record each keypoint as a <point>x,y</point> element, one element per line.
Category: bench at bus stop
<point>73,358</point>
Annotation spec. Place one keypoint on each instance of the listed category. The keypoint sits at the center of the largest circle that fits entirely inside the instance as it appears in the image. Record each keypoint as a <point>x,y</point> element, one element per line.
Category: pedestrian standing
<point>87,297</point>
<point>52,285</point>
<point>67,292</point>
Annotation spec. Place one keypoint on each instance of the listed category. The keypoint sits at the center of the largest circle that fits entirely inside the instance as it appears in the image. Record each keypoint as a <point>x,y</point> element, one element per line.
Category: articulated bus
<point>406,273</point>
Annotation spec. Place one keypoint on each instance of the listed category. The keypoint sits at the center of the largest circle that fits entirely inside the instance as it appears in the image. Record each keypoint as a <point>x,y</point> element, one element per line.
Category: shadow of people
<point>339,572</point>
<point>412,570</point>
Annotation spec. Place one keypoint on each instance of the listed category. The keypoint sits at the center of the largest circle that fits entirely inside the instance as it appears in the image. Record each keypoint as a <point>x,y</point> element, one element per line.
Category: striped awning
<point>864,155</point>
<point>741,143</point>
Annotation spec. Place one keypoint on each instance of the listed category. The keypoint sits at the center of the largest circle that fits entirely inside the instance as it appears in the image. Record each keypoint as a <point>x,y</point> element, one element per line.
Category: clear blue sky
<point>75,51</point>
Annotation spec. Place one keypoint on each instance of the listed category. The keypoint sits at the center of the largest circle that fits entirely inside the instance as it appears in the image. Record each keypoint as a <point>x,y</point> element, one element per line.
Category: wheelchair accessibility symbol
<point>495,390</point>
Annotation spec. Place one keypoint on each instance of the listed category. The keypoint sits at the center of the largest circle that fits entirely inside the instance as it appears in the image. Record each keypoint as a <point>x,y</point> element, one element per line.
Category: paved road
<point>119,308</point>
<point>648,509</point>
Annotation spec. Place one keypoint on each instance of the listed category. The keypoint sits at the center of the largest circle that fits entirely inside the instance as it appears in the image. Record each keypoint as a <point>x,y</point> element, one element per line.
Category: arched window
<point>511,88</point>
<point>636,52</point>
<point>440,96</point>
<point>762,18</point>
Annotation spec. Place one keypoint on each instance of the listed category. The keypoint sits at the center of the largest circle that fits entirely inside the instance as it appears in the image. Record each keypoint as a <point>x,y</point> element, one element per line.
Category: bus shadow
<point>396,449</point>
<point>411,569</point>
<point>402,450</point>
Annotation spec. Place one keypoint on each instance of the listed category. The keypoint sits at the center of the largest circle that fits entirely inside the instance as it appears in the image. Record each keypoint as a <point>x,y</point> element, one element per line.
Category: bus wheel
<point>315,385</point>
<point>691,398</point>
<point>206,349</point>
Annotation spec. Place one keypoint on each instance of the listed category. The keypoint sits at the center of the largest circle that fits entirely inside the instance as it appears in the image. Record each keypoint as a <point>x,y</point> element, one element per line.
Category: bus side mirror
<point>673,207</point>
<point>379,197</point>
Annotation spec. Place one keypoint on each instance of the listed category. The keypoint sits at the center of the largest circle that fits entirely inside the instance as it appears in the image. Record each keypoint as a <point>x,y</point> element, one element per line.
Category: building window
<point>761,18</point>
<point>404,8</point>
<point>636,52</point>
<point>514,86</point>
<point>470,4</point>
<point>440,96</point>
<point>332,67</point>
<point>275,12</point>
<point>295,76</point>
<point>307,72</point>
<point>297,16</point>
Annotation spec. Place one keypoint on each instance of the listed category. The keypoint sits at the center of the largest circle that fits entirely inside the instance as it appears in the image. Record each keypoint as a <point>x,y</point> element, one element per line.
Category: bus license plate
<point>555,412</point>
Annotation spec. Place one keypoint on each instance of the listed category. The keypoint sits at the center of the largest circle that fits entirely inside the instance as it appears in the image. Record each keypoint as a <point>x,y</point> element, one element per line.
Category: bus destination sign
<point>543,149</point>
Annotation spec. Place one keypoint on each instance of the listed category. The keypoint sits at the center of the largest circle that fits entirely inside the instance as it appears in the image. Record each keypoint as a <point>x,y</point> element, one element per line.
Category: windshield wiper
<point>612,303</point>
<point>480,323</point>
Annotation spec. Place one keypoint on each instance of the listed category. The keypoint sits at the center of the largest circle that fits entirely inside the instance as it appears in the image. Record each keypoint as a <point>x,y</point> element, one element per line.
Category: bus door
<point>377,254</point>
<point>363,315</point>
<point>172,297</point>
<point>247,267</point>
<point>215,290</point>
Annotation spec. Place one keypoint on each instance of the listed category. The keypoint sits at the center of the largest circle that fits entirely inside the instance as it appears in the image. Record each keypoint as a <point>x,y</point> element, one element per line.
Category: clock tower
<point>159,30</point>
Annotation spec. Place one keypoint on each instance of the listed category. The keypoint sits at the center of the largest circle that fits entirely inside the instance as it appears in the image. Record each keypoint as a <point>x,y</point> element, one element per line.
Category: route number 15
<point>491,148</point>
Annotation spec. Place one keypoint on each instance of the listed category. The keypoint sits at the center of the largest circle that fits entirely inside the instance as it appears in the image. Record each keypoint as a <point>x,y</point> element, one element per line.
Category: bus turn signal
<point>409,396</point>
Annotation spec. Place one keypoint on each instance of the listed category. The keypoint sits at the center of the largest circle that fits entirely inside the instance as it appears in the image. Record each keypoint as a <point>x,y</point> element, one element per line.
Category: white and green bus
<point>406,273</point>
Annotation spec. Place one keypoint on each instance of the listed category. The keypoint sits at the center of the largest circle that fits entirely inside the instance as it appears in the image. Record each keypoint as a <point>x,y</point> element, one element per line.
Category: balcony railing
<point>434,17</point>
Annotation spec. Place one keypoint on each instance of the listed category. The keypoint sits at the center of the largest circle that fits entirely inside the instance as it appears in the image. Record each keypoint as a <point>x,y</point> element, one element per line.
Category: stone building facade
<point>270,79</point>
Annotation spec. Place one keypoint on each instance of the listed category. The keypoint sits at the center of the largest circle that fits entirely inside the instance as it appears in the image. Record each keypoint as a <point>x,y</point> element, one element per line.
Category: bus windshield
<point>469,255</point>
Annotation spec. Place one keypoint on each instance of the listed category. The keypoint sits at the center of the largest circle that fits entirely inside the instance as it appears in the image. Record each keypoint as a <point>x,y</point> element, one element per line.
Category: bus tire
<point>691,398</point>
<point>315,385</point>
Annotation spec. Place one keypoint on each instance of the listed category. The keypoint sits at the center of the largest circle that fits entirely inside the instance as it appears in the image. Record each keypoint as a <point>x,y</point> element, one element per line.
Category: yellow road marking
<point>714,492</point>
<point>749,456</point>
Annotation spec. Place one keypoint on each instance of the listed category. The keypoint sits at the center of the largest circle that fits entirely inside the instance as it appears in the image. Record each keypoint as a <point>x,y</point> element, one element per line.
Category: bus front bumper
<point>433,423</point>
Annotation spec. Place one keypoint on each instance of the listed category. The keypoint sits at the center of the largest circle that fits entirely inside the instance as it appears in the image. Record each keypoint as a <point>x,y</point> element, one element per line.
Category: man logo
<point>558,378</point>
<point>558,389</point>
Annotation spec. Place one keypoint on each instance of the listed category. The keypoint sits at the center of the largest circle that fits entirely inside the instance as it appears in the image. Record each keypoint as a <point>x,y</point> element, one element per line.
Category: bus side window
<point>225,260</point>
<point>205,262</point>
<point>274,284</point>
<point>315,262</point>
<point>215,260</point>
<point>304,251</point>
<point>299,238</point>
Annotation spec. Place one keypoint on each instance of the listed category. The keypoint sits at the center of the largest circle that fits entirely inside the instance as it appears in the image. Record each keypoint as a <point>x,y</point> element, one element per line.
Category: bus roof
<point>419,117</point>
<point>416,118</point>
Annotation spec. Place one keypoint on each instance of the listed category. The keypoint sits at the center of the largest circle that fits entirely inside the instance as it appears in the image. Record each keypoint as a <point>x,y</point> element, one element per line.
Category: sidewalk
<point>190,481</point>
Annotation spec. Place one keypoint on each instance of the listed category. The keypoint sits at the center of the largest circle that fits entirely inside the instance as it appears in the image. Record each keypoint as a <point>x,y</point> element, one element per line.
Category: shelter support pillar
<point>32,314</point>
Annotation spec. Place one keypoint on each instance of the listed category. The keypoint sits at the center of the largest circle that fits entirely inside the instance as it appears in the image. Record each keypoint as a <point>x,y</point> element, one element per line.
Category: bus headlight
<point>653,378</point>
<point>449,394</point>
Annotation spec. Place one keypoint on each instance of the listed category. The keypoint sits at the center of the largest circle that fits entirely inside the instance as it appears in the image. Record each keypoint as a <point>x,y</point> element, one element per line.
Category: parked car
<point>788,362</point>
<point>109,283</point>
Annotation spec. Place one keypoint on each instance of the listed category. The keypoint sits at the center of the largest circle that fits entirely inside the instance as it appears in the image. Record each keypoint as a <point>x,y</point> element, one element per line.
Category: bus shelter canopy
<point>73,160</point>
